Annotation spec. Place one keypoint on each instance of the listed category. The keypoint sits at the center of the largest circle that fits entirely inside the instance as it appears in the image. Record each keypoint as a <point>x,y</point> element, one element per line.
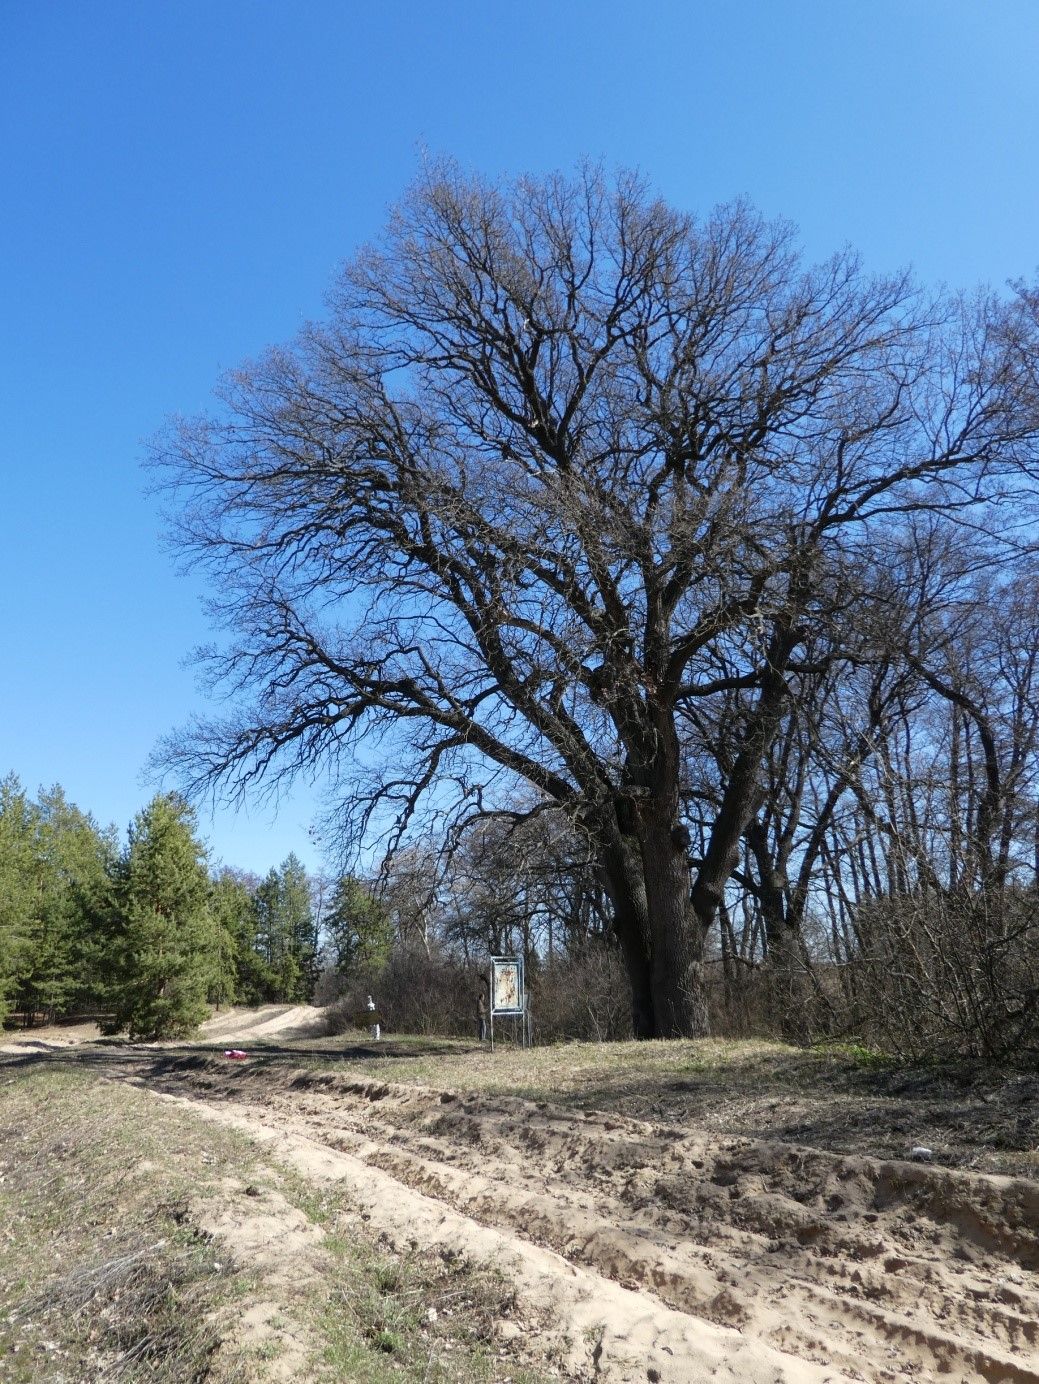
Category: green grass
<point>421,1318</point>
<point>866,1058</point>
<point>417,1317</point>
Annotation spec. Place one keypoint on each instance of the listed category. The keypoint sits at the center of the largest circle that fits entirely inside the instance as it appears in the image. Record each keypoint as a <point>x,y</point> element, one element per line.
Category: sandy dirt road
<point>283,1022</point>
<point>675,1255</point>
<point>676,1252</point>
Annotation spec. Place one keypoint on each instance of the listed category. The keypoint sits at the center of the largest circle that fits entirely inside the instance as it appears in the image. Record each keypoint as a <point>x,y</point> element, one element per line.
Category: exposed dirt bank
<point>775,1261</point>
<point>694,1245</point>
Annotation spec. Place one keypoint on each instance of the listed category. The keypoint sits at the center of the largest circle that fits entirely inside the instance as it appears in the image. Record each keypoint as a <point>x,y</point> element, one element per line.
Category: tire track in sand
<point>864,1269</point>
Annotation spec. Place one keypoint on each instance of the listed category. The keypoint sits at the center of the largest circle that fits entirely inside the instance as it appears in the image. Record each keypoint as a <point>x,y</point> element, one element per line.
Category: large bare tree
<point>561,462</point>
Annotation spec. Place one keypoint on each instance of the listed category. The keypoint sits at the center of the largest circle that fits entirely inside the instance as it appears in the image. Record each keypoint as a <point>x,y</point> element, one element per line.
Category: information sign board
<point>507,993</point>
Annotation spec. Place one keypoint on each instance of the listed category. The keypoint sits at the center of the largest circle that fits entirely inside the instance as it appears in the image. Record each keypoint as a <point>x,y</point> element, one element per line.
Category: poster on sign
<point>507,985</point>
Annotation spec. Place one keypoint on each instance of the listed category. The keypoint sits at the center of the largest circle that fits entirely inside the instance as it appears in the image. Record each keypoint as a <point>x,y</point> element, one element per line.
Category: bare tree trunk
<point>955,855</point>
<point>784,970</point>
<point>742,795</point>
<point>626,884</point>
<point>677,938</point>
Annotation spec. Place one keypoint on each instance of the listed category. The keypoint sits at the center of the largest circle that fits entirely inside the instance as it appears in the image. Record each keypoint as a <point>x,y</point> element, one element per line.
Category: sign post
<point>508,992</point>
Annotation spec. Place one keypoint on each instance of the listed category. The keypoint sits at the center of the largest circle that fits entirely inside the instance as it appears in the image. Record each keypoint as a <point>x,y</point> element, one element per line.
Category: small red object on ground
<point>235,1054</point>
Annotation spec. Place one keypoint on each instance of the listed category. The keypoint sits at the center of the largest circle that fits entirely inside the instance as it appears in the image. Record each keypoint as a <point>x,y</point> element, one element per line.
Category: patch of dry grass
<point>840,1097</point>
<point>99,1276</point>
<point>105,1275</point>
<point>423,1318</point>
<point>572,1070</point>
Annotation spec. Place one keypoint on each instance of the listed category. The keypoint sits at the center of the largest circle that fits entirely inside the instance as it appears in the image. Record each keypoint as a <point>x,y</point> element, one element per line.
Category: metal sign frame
<point>507,981</point>
<point>515,991</point>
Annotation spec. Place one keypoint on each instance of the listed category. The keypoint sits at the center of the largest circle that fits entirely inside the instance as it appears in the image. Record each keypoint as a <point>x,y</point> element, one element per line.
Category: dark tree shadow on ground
<point>117,1056</point>
<point>975,1120</point>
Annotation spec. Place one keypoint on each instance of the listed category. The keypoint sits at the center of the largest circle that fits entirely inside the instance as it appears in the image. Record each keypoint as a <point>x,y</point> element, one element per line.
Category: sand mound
<point>236,1027</point>
<point>739,1256</point>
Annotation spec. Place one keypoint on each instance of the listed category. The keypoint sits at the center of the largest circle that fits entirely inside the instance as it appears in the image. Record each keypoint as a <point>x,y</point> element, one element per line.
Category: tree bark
<point>785,994</point>
<point>677,940</point>
<point>660,936</point>
<point>626,886</point>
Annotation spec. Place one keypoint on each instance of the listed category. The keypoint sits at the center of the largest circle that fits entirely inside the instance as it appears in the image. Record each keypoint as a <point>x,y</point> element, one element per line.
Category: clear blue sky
<point>181,178</point>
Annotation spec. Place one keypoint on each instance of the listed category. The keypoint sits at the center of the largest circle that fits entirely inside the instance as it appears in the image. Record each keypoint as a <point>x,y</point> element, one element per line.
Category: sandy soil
<point>232,1027</point>
<point>978,1120</point>
<point>22,1040</point>
<point>282,1250</point>
<point>287,1022</point>
<point>613,1332</point>
<point>669,1250</point>
<point>739,1259</point>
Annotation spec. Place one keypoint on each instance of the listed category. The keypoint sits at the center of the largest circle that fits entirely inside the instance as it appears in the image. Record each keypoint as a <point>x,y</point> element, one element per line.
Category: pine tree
<point>269,940</point>
<point>164,937</point>
<point>286,932</point>
<point>300,927</point>
<point>358,929</point>
<point>19,886</point>
<point>230,907</point>
<point>74,862</point>
<point>234,906</point>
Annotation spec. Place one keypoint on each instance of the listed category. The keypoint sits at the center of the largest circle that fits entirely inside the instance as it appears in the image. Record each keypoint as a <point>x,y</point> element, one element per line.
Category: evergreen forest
<point>140,934</point>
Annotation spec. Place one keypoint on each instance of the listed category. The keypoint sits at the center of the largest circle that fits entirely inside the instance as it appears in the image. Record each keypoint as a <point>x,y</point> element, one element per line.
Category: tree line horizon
<point>147,938</point>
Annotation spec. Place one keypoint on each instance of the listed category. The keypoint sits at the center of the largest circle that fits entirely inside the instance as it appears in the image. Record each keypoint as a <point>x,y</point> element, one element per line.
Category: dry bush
<point>414,994</point>
<point>586,996</point>
<point>583,997</point>
<point>151,1306</point>
<point>331,986</point>
<point>751,1001</point>
<point>950,975</point>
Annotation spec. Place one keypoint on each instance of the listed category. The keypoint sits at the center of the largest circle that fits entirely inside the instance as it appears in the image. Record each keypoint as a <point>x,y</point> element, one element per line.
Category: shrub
<point>585,996</point>
<point>950,974</point>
